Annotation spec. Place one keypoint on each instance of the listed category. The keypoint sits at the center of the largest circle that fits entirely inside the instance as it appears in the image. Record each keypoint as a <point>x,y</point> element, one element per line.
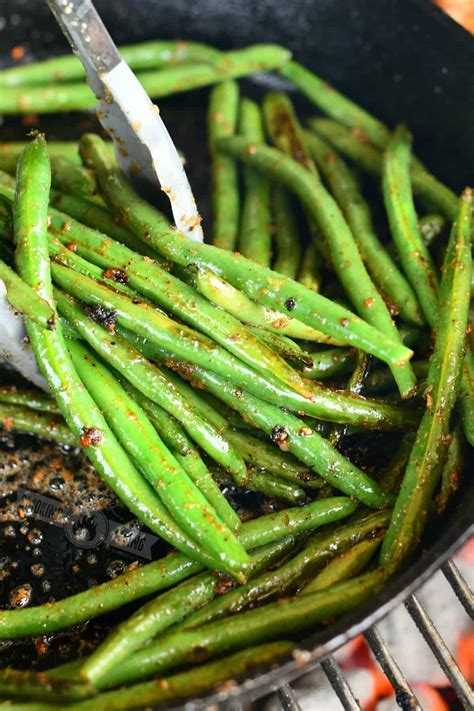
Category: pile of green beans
<point>185,371</point>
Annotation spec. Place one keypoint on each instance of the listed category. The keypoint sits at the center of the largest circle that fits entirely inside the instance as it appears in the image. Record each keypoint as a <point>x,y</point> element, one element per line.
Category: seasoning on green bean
<point>414,255</point>
<point>431,444</point>
<point>17,418</point>
<point>355,146</point>
<point>431,227</point>
<point>28,397</point>
<point>171,80</point>
<point>161,574</point>
<point>344,566</point>
<point>318,550</point>
<point>161,613</point>
<point>380,265</point>
<point>309,274</point>
<point>260,284</point>
<point>466,400</point>
<point>221,121</point>
<point>381,380</point>
<point>180,495</point>
<point>330,363</point>
<point>285,233</point>
<point>452,470</point>
<point>284,346</point>
<point>355,384</point>
<point>285,616</point>
<point>143,55</point>
<point>255,231</point>
<point>23,298</point>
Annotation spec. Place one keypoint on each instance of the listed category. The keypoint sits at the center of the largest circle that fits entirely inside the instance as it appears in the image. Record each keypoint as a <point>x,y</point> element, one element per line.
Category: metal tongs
<point>143,145</point>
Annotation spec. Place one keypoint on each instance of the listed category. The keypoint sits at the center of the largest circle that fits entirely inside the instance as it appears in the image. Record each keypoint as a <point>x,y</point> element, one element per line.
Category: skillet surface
<point>404,62</point>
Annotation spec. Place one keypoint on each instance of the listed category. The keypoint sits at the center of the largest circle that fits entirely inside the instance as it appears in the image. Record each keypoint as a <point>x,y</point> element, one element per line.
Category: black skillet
<point>403,61</point>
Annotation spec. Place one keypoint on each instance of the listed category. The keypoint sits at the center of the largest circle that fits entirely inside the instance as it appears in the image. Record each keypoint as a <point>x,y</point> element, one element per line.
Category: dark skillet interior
<point>403,61</point>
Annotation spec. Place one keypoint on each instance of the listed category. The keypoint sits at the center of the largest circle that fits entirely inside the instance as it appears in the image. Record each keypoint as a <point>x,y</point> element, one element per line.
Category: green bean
<point>344,566</point>
<point>147,378</point>
<point>161,613</point>
<point>31,398</point>
<point>16,684</point>
<point>189,683</point>
<point>393,474</point>
<point>171,80</point>
<point>10,152</point>
<point>260,284</point>
<point>180,495</point>
<point>330,363</point>
<point>77,407</point>
<point>255,235</point>
<point>285,616</point>
<point>335,104</point>
<point>223,294</point>
<point>345,255</point>
<point>381,380</point>
<point>99,218</point>
<point>380,265</point>
<point>49,426</point>
<point>355,384</point>
<point>414,255</point>
<point>23,298</point>
<point>72,178</point>
<point>144,55</point>
<point>222,121</point>
<point>286,234</point>
<point>262,456</point>
<point>284,346</point>
<point>355,146</point>
<point>161,574</point>
<point>430,228</point>
<point>325,403</point>
<point>466,400</point>
<point>430,448</point>
<point>182,300</point>
<point>309,274</point>
<point>321,548</point>
<point>270,485</point>
<point>451,473</point>
<point>291,434</point>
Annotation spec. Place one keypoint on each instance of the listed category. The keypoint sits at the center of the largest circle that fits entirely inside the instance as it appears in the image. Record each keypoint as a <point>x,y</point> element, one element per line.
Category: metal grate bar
<point>287,698</point>
<point>460,587</point>
<point>440,651</point>
<point>340,685</point>
<point>404,695</point>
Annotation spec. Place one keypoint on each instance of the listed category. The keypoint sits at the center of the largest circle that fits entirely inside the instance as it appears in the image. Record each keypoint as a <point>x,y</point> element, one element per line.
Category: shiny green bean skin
<point>143,55</point>
<point>223,294</point>
<point>285,616</point>
<point>260,284</point>
<point>344,253</point>
<point>344,566</point>
<point>10,152</point>
<point>159,575</point>
<point>321,548</point>
<point>325,403</point>
<point>431,227</point>
<point>330,363</point>
<point>355,384</point>
<point>31,398</point>
<point>165,82</point>
<point>180,495</point>
<point>335,104</point>
<point>222,121</point>
<point>284,346</point>
<point>161,613</point>
<point>72,178</point>
<point>380,265</point>
<point>356,147</point>
<point>27,685</point>
<point>309,274</point>
<point>286,234</point>
<point>393,474</point>
<point>192,682</point>
<point>79,410</point>
<point>176,296</point>
<point>24,299</point>
<point>381,380</point>
<point>430,448</point>
<point>398,198</point>
<point>147,378</point>
<point>293,435</point>
<point>285,130</point>
<point>255,234</point>
<point>17,418</point>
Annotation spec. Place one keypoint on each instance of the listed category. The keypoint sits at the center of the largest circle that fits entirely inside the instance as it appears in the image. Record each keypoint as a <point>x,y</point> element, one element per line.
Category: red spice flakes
<point>41,646</point>
<point>223,584</point>
<point>368,302</point>
<point>305,432</point>
<point>279,436</point>
<point>8,423</point>
<point>117,275</point>
<point>343,321</point>
<point>90,436</point>
<point>17,52</point>
<point>71,246</point>
<point>251,150</point>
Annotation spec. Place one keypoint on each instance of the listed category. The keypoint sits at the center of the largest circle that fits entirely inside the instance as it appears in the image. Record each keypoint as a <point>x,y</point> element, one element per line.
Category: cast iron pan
<point>403,61</point>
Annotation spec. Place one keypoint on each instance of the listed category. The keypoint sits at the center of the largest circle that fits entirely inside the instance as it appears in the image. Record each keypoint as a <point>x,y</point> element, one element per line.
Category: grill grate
<point>404,695</point>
